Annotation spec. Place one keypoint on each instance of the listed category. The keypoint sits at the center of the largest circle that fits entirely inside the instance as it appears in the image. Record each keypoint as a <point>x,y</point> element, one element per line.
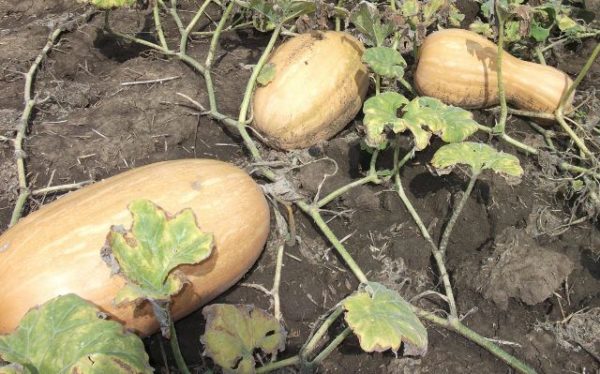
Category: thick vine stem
<point>313,212</point>
<point>500,126</point>
<point>185,33</point>
<point>248,94</point>
<point>565,97</point>
<point>30,101</point>
<point>456,326</point>
<point>456,213</point>
<point>333,345</point>
<point>314,339</point>
<point>159,28</point>
<point>181,365</point>
<point>437,254</point>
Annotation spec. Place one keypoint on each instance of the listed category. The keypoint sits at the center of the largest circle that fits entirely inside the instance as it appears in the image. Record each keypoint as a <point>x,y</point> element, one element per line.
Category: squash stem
<point>248,94</point>
<point>458,327</point>
<point>175,15</point>
<point>333,345</point>
<point>159,28</point>
<point>175,347</point>
<point>185,33</point>
<point>294,360</point>
<point>456,213</point>
<point>501,124</point>
<point>437,254</point>
<point>313,340</point>
<point>372,177</point>
<point>30,100</point>
<point>313,212</point>
<point>338,20</point>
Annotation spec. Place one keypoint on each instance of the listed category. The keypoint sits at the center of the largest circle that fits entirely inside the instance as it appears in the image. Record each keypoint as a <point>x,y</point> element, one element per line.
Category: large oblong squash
<point>459,67</point>
<point>56,250</point>
<point>319,86</point>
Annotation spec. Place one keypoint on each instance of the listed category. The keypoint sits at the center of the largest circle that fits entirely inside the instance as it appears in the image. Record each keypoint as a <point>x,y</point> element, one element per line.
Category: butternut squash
<point>459,67</point>
<point>56,250</point>
<point>319,85</point>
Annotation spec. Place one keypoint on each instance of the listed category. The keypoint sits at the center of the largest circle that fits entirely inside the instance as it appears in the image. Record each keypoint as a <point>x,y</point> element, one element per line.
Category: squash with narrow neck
<point>459,67</point>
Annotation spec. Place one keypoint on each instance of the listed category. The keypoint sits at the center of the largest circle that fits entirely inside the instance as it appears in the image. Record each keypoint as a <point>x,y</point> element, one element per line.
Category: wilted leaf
<point>234,332</point>
<point>367,20</point>
<point>382,320</point>
<point>66,335</point>
<point>266,75</point>
<point>109,4</point>
<point>380,111</point>
<point>478,157</point>
<point>155,245</point>
<point>431,8</point>
<point>385,61</point>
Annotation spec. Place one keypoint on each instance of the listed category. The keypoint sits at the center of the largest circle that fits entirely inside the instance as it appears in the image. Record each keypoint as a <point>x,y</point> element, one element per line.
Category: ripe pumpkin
<point>319,85</point>
<point>56,250</point>
<point>459,67</point>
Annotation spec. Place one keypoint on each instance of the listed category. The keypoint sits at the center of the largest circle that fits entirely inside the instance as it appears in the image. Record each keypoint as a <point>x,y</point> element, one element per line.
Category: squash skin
<point>56,250</point>
<point>459,67</point>
<point>319,87</point>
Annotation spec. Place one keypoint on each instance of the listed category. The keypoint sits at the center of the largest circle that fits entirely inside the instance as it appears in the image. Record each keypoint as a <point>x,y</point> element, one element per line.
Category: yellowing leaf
<point>234,332</point>
<point>380,111</point>
<point>155,245</point>
<point>66,335</point>
<point>382,320</point>
<point>478,157</point>
<point>109,4</point>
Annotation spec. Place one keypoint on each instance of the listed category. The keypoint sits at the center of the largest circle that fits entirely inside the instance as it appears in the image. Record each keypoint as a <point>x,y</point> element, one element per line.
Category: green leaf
<point>109,4</point>
<point>455,17</point>
<point>478,157</point>
<point>385,61</point>
<point>155,245</point>
<point>267,74</point>
<point>431,8</point>
<point>482,28</point>
<point>367,20</point>
<point>382,320</point>
<point>234,332</point>
<point>511,32</point>
<point>380,111</point>
<point>410,8</point>
<point>67,335</point>
<point>538,32</point>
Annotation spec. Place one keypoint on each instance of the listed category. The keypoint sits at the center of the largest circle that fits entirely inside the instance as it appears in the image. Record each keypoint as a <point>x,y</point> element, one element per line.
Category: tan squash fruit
<point>459,67</point>
<point>56,250</point>
<point>319,86</point>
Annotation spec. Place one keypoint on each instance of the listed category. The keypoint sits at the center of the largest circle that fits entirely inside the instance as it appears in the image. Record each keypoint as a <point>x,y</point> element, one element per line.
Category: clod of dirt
<point>522,269</point>
<point>8,120</point>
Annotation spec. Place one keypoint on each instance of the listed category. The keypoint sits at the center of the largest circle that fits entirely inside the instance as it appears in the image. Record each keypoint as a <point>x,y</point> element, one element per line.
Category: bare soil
<point>508,257</point>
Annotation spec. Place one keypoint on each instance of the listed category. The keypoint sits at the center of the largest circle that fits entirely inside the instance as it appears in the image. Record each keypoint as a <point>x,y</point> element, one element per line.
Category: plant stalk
<point>456,213</point>
<point>458,327</point>
<point>501,124</point>
<point>437,255</point>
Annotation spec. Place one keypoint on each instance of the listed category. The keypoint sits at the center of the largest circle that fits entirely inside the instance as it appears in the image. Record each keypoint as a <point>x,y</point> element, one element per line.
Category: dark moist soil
<point>508,257</point>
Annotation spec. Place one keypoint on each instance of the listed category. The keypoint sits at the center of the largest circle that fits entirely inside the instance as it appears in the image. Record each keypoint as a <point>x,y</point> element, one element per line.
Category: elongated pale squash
<point>459,67</point>
<point>319,86</point>
<point>56,250</point>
